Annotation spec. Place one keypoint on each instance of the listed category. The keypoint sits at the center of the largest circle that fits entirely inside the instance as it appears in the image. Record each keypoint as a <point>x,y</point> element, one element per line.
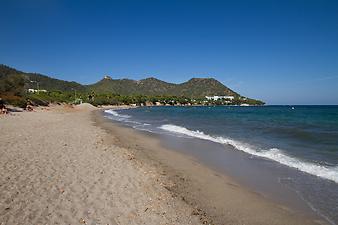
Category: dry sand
<point>55,168</point>
<point>58,166</point>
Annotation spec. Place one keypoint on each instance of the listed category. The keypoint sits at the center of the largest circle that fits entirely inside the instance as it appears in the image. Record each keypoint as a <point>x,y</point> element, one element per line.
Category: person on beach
<point>29,105</point>
<point>3,109</point>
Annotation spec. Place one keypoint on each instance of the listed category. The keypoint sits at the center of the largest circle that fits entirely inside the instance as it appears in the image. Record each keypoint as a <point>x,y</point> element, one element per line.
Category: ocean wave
<point>275,154</point>
<point>116,114</point>
<point>124,118</point>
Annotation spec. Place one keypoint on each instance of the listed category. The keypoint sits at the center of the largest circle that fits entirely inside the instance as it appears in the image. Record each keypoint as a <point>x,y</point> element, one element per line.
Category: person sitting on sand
<point>29,105</point>
<point>3,109</point>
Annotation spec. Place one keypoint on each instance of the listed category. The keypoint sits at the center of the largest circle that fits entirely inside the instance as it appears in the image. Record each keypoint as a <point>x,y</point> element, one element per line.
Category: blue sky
<point>283,52</point>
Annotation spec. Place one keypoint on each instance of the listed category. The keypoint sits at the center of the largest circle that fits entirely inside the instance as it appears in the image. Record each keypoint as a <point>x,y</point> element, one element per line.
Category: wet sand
<point>216,198</point>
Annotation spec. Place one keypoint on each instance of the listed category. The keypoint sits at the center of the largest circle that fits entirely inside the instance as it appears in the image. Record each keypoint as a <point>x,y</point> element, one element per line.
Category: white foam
<point>116,114</point>
<point>330,173</point>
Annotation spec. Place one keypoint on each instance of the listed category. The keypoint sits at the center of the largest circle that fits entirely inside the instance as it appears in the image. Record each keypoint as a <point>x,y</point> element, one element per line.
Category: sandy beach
<point>56,168</point>
<point>69,165</point>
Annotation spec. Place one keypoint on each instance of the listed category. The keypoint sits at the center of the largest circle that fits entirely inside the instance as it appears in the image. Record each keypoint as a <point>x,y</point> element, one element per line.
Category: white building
<point>31,90</point>
<point>217,97</point>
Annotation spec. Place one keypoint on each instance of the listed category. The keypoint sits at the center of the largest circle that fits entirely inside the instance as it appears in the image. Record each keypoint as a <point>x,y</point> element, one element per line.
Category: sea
<point>287,153</point>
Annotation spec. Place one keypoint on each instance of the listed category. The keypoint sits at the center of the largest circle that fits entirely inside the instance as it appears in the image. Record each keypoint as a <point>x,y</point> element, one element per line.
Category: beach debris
<point>197,212</point>
<point>131,156</point>
<point>82,221</point>
<point>202,215</point>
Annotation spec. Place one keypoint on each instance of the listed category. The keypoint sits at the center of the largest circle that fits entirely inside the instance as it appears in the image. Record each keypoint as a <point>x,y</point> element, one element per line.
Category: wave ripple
<point>275,154</point>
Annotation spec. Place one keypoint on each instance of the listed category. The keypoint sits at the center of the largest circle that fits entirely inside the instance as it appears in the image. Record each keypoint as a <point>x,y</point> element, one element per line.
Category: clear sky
<point>283,52</point>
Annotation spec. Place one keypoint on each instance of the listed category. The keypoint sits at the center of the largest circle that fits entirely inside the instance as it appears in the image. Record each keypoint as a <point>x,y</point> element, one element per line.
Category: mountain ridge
<point>193,88</point>
<point>150,86</point>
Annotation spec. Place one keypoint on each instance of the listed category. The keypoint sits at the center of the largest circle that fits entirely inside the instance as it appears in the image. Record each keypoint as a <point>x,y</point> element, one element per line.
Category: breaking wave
<point>116,114</point>
<point>275,154</point>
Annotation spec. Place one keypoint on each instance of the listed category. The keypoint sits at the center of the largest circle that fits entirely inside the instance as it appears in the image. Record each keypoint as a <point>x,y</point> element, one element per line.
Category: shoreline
<point>69,165</point>
<point>215,196</point>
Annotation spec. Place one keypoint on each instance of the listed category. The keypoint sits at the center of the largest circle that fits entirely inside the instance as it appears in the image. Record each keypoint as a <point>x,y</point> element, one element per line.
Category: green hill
<point>32,80</point>
<point>148,86</point>
<point>12,84</point>
<point>15,83</point>
<point>194,88</point>
<point>201,87</point>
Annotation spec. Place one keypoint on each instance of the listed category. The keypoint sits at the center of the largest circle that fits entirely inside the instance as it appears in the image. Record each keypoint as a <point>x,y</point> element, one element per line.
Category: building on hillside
<point>31,90</point>
<point>217,97</point>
